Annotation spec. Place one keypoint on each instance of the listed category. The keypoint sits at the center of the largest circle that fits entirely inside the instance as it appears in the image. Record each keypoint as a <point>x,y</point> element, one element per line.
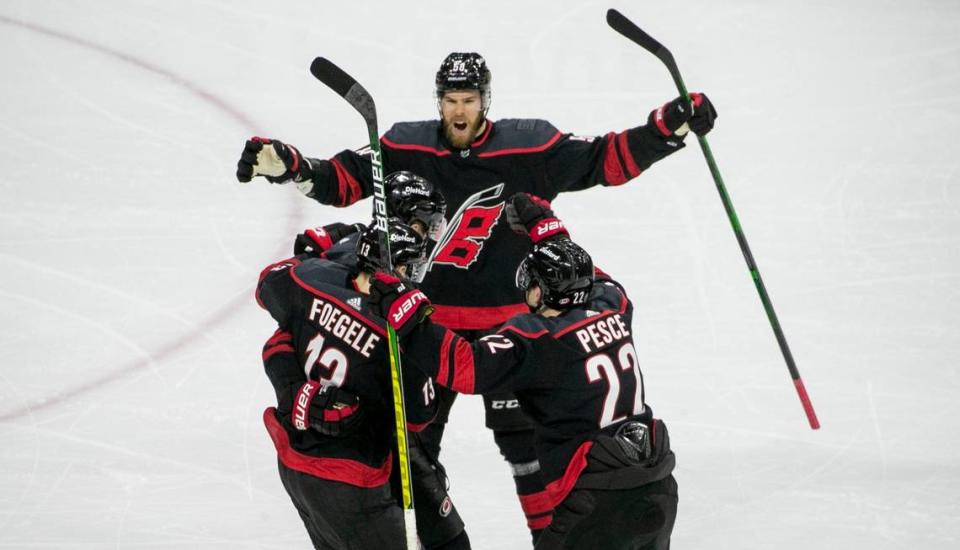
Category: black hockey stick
<point>361,100</point>
<point>627,28</point>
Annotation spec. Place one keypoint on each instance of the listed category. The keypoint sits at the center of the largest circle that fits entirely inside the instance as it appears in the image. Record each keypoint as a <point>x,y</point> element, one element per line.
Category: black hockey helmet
<point>563,271</point>
<point>464,71</point>
<point>414,199</point>
<point>407,247</point>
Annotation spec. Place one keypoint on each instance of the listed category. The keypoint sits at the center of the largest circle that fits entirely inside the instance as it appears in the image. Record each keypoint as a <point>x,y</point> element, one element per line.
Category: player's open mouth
<point>460,126</point>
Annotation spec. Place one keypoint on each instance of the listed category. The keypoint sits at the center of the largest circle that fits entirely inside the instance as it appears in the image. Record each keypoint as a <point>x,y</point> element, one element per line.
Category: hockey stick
<point>627,28</point>
<point>361,100</point>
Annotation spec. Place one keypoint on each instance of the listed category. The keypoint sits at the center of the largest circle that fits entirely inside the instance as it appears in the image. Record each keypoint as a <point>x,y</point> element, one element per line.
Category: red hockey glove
<point>327,409</point>
<point>399,302</point>
<point>530,215</point>
<point>274,160</point>
<point>318,240</point>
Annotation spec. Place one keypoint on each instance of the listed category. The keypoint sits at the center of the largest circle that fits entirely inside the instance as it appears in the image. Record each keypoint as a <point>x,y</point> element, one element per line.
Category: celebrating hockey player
<point>572,364</point>
<point>333,425</point>
<point>477,163</point>
<point>415,202</point>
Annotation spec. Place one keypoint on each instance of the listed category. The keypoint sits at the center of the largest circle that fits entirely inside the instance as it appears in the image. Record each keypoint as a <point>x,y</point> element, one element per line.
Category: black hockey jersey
<point>573,375</point>
<point>471,274</point>
<point>328,333</point>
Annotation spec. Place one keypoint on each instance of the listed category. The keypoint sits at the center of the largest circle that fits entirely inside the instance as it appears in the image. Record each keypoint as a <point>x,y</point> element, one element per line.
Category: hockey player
<point>333,425</point>
<point>415,202</point>
<point>572,363</point>
<point>477,163</point>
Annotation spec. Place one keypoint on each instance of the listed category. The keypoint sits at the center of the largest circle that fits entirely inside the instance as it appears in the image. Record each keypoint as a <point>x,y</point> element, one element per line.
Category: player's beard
<point>461,139</point>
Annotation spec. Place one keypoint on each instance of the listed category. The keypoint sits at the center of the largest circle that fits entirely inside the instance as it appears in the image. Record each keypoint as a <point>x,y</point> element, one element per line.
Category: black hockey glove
<point>327,409</point>
<point>274,160</point>
<point>318,240</point>
<point>399,302</point>
<point>679,116</point>
<point>530,215</point>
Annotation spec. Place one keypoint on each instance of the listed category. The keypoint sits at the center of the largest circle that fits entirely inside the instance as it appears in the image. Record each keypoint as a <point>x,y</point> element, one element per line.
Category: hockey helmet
<point>414,199</point>
<point>563,271</point>
<point>464,71</point>
<point>407,247</point>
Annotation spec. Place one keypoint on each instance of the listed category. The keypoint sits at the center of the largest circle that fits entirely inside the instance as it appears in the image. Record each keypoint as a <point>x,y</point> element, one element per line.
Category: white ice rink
<point>131,385</point>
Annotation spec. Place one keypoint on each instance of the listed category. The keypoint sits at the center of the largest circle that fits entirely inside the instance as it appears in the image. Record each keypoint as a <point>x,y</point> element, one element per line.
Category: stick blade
<point>635,34</point>
<point>345,86</point>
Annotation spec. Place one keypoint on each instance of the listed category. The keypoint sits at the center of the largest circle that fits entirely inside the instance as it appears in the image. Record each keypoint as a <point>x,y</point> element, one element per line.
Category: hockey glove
<point>274,160</point>
<point>317,240</point>
<point>530,215</point>
<point>679,116</point>
<point>704,114</point>
<point>327,409</point>
<point>399,302</point>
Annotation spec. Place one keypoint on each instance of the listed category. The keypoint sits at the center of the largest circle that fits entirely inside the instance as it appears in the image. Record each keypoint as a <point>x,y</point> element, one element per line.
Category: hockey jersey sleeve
<point>275,290</point>
<point>283,369</point>
<point>574,163</point>
<point>343,179</point>
<point>498,362</point>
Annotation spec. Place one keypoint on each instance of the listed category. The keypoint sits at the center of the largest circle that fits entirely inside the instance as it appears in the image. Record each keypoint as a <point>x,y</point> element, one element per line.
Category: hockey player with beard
<point>333,425</point>
<point>572,364</point>
<point>477,162</point>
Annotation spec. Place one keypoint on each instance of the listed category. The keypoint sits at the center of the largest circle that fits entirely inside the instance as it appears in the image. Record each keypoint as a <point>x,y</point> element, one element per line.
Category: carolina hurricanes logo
<point>469,228</point>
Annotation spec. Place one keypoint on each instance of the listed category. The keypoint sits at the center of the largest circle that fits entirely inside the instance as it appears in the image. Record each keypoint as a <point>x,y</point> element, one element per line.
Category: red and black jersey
<point>328,333</point>
<point>472,267</point>
<point>573,375</point>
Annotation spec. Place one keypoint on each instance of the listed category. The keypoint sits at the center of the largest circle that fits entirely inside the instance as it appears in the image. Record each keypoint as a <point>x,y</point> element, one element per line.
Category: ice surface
<point>131,386</point>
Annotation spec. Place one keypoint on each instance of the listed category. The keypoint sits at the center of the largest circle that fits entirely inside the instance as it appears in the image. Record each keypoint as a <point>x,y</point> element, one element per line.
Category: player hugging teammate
<point>469,270</point>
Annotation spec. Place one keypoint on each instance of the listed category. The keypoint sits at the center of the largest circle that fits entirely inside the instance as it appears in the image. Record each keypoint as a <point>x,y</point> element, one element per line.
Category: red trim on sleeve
<point>417,428</point>
<point>632,169</point>
<point>320,236</point>
<point>463,374</point>
<point>270,352</point>
<point>263,273</point>
<point>558,489</point>
<point>443,372</point>
<point>349,190</point>
<point>535,504</point>
<point>336,469</point>
<point>279,335</point>
<point>612,171</point>
<point>522,150</point>
<point>535,524</point>
<point>475,318</point>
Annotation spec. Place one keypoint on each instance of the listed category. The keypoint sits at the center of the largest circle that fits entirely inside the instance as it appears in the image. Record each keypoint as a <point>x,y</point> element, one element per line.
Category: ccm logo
<point>410,303</point>
<point>498,404</point>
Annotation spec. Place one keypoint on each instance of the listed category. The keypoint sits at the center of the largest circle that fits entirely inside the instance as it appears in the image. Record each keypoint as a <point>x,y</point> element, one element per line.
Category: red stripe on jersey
<point>349,190</point>
<point>528,335</point>
<point>483,138</point>
<point>279,336</point>
<point>558,489</point>
<point>336,469</point>
<point>463,373</point>
<point>627,156</point>
<point>535,504</point>
<point>263,273</point>
<point>413,147</point>
<point>579,324</point>
<point>443,372</point>
<point>270,352</point>
<point>346,309</point>
<point>475,318</point>
<point>612,171</point>
<point>523,150</point>
<point>542,522</point>
<point>417,428</point>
